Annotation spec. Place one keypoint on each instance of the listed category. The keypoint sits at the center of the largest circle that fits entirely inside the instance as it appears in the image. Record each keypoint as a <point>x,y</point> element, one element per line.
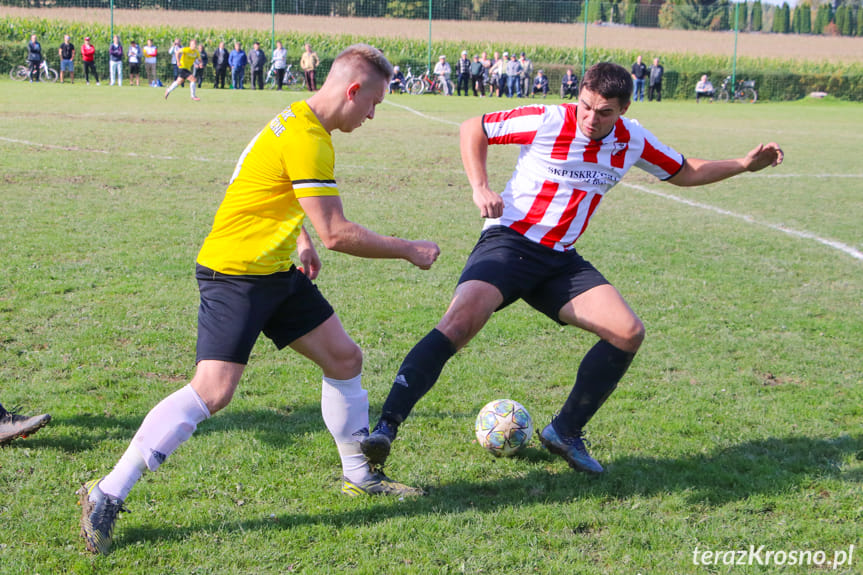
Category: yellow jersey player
<point>251,283</point>
<point>186,58</point>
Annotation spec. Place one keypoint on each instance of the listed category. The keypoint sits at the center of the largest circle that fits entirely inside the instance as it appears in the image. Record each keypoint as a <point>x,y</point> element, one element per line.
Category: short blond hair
<point>366,56</point>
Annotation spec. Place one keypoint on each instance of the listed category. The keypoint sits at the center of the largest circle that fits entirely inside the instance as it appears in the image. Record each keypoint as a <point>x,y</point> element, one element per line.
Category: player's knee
<point>347,361</point>
<point>633,336</point>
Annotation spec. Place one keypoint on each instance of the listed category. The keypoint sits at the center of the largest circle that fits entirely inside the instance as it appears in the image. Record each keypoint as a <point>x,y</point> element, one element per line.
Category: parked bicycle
<point>46,74</point>
<point>416,85</point>
<point>290,80</point>
<point>745,91</point>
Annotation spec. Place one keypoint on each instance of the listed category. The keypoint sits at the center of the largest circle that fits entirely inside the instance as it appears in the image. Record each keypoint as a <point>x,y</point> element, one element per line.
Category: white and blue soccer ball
<point>503,427</point>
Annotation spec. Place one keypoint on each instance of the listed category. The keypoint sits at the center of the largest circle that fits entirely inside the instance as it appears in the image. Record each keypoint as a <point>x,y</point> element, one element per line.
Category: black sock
<point>418,373</point>
<point>600,370</point>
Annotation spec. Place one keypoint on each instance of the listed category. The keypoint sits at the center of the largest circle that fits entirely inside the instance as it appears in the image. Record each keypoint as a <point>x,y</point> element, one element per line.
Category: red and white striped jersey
<point>562,175</point>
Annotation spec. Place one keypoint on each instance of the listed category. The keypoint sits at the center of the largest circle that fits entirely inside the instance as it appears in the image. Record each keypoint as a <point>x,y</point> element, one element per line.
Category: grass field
<point>738,425</point>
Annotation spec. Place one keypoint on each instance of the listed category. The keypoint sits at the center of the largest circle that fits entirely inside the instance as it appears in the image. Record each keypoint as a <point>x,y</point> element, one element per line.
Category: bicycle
<point>290,80</point>
<point>745,91</point>
<point>415,85</point>
<point>46,74</point>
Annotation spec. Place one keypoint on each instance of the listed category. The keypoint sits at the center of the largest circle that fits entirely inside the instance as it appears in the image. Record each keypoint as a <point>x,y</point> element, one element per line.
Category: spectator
<point>462,69</point>
<point>67,59</point>
<point>220,65</point>
<point>443,71</point>
<point>135,55</point>
<point>703,89</point>
<point>499,72</point>
<point>486,69</point>
<point>237,60</point>
<point>540,84</point>
<point>201,64</point>
<point>150,55</point>
<point>34,57</point>
<point>88,57</point>
<point>309,61</point>
<point>569,85</point>
<point>258,61</point>
<point>513,74</point>
<point>397,84</point>
<point>177,45</point>
<point>654,87</point>
<point>280,64</point>
<point>115,54</point>
<point>526,73</point>
<point>477,79</point>
<point>639,71</point>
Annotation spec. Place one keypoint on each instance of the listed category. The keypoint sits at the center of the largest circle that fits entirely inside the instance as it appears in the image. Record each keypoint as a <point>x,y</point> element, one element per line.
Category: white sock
<point>168,425</point>
<point>345,407</point>
<point>172,87</point>
<point>125,474</point>
<point>192,86</point>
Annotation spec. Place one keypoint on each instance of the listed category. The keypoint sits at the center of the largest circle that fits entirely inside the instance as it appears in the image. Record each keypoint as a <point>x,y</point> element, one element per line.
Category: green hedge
<point>776,80</point>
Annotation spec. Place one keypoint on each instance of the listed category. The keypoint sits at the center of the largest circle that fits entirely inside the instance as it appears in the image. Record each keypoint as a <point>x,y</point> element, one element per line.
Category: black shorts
<point>234,310</point>
<point>134,68</point>
<point>184,74</point>
<point>522,269</point>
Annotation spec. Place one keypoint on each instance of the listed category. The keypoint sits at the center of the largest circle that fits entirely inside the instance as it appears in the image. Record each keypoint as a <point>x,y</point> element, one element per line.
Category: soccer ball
<point>503,426</point>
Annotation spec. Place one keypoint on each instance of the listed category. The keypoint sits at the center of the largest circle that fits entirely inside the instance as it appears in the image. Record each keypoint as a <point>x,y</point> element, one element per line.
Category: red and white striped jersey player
<point>571,156</point>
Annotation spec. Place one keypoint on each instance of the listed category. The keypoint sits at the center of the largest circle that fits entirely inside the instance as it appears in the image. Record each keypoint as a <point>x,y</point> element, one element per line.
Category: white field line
<point>856,254</point>
<point>749,219</point>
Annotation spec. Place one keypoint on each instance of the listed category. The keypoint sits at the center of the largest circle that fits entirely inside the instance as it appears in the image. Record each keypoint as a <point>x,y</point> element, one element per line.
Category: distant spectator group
<point>500,75</point>
<point>128,62</point>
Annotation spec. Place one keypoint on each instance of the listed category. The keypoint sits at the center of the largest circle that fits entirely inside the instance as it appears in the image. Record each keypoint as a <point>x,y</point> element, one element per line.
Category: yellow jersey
<point>186,57</point>
<point>256,226</point>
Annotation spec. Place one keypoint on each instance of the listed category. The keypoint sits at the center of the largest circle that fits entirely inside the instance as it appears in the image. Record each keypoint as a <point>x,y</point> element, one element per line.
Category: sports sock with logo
<point>600,371</point>
<point>419,371</point>
<point>345,408</point>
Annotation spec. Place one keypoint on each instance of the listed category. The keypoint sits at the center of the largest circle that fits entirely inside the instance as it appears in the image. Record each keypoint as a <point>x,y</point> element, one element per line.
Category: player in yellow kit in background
<point>186,58</point>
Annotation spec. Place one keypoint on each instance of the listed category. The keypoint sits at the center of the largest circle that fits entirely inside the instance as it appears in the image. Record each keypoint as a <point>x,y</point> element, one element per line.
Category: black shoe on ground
<point>376,447</point>
<point>13,426</point>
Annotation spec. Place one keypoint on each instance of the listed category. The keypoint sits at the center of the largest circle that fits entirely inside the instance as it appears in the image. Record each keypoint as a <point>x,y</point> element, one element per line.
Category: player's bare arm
<point>474,156</point>
<point>342,235</point>
<point>696,172</point>
<point>308,255</point>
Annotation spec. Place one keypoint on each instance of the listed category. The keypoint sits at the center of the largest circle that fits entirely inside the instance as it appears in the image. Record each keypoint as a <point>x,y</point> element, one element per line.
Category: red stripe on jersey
<point>521,138</point>
<point>567,134</point>
<point>590,151</point>
<point>593,203</point>
<point>657,158</point>
<point>496,117</point>
<point>558,231</point>
<point>621,135</point>
<point>537,210</point>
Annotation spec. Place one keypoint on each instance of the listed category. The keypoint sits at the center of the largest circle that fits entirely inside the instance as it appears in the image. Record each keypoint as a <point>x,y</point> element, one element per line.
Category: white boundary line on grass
<point>749,219</point>
<point>93,151</point>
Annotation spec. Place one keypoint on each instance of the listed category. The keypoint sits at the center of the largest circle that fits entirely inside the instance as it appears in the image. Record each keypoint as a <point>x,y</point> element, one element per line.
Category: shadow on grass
<point>277,426</point>
<point>767,467</point>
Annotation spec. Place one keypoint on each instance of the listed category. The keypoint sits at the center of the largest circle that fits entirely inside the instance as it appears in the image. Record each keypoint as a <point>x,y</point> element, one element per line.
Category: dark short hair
<point>609,80</point>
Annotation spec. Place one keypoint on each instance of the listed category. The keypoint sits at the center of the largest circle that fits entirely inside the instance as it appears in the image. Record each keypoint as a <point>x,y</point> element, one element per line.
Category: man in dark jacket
<point>258,60</point>
<point>220,65</point>
<point>34,57</point>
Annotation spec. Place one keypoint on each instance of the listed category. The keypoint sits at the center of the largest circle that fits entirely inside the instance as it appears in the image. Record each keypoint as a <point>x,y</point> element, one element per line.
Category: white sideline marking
<point>749,219</point>
<point>91,150</point>
<point>420,114</point>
